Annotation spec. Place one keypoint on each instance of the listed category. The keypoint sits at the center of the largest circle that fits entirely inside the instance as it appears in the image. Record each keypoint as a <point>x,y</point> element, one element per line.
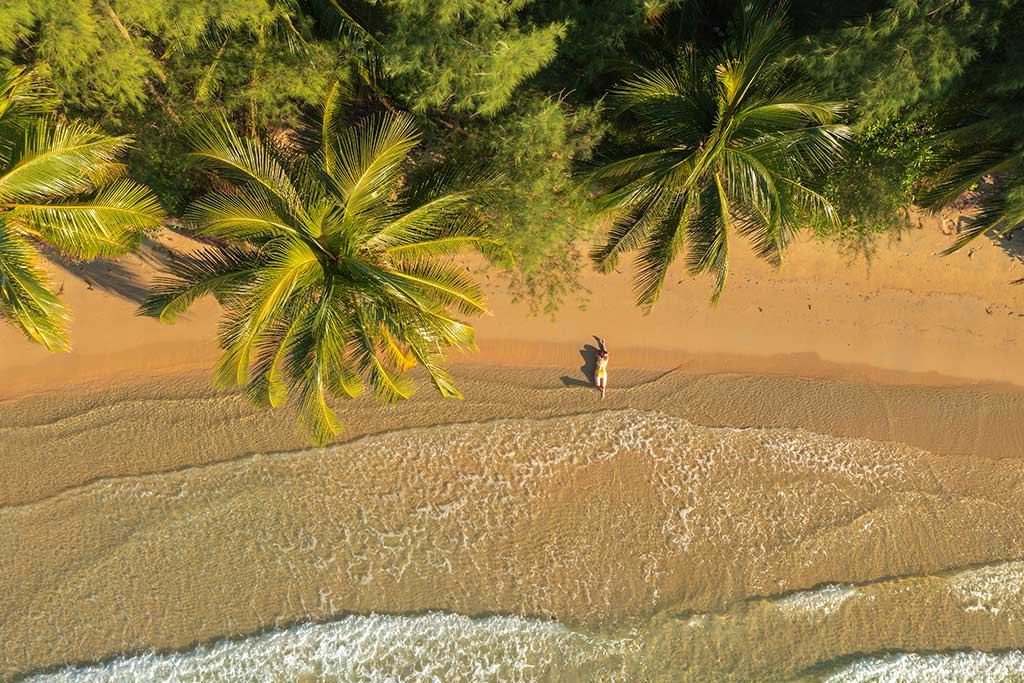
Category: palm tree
<point>729,142</point>
<point>328,274</point>
<point>990,145</point>
<point>60,185</point>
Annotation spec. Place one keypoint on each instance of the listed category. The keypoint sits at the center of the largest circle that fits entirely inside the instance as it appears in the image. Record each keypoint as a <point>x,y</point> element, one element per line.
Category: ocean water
<point>612,546</point>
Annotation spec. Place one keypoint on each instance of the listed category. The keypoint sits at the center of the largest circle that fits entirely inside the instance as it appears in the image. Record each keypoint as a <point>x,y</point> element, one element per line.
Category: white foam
<point>433,647</point>
<point>994,589</point>
<point>959,667</point>
<point>818,602</point>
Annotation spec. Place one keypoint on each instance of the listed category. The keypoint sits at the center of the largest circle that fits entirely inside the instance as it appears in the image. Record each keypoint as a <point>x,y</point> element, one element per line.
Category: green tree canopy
<point>727,139</point>
<point>60,185</point>
<point>329,271</point>
<point>467,55</point>
<point>911,52</point>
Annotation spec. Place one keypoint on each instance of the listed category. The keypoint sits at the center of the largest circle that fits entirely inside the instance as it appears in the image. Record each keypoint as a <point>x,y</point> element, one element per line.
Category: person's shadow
<point>589,355</point>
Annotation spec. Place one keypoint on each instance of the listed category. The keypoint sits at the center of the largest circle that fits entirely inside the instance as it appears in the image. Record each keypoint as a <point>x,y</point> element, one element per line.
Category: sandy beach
<point>836,423</point>
<point>903,315</point>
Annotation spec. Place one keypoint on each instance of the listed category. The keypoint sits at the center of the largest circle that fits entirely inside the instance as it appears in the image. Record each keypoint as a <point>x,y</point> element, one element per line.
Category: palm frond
<point>999,213</point>
<point>439,377</point>
<point>664,243</point>
<point>247,162</point>
<point>370,160</point>
<point>443,239</point>
<point>446,285</point>
<point>239,216</point>
<point>59,159</point>
<point>24,98</point>
<point>288,266</point>
<point>709,236</point>
<point>388,388</point>
<point>189,277</point>
<point>25,299</point>
<point>107,224</point>
<point>959,176</point>
<point>629,228</point>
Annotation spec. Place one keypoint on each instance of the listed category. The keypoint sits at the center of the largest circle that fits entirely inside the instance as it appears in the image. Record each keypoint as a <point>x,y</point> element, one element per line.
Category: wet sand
<point>146,518</point>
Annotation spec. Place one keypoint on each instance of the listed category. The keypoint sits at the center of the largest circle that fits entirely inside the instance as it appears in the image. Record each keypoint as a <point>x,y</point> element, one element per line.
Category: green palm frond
<point>241,216</point>
<point>422,237</point>
<point>249,163</point>
<point>388,387</point>
<point>190,277</point>
<point>1001,212</point>
<point>983,147</point>
<point>24,98</point>
<point>55,158</point>
<point>370,160</point>
<point>25,298</point>
<point>439,377</point>
<point>288,268</point>
<point>666,241</point>
<point>960,175</point>
<point>730,139</point>
<point>332,275</point>
<point>448,285</point>
<point>107,224</point>
<point>61,184</point>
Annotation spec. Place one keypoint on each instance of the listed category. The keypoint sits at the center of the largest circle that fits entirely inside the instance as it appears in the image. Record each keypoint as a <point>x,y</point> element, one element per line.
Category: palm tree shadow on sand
<point>114,275</point>
<point>589,355</point>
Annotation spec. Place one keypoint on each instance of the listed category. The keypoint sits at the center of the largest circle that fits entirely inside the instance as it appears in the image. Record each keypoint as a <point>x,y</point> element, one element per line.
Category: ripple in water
<point>616,521</point>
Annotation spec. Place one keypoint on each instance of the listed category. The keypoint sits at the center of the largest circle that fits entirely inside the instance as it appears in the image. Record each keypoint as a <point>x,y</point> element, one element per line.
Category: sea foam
<point>433,647</point>
<point>957,667</point>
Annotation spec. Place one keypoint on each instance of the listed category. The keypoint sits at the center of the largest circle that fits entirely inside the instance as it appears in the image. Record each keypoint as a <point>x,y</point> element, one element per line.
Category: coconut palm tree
<point>60,185</point>
<point>729,139</point>
<point>328,272</point>
<point>989,145</point>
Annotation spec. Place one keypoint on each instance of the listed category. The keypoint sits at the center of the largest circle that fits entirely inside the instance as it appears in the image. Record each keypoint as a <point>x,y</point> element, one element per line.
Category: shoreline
<point>100,433</point>
<point>479,506</point>
<point>816,428</point>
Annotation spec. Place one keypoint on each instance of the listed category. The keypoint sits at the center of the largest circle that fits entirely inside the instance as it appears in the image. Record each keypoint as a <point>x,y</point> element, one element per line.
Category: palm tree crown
<point>61,185</point>
<point>328,271</point>
<point>729,140</point>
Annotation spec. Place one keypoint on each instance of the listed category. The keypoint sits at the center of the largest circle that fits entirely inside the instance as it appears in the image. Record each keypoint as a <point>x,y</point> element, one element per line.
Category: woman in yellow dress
<point>601,371</point>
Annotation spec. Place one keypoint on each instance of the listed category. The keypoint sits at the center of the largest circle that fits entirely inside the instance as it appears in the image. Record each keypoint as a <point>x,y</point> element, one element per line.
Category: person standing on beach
<point>601,371</point>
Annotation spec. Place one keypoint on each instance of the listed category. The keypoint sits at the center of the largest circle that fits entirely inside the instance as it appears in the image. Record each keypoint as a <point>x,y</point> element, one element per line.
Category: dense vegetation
<point>752,98</point>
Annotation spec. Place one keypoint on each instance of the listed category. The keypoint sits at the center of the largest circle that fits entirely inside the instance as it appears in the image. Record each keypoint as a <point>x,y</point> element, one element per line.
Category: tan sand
<point>929,320</point>
<point>140,509</point>
<point>597,519</point>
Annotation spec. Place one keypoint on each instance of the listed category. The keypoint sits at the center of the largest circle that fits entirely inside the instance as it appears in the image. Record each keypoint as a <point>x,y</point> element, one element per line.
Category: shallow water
<point>620,545</point>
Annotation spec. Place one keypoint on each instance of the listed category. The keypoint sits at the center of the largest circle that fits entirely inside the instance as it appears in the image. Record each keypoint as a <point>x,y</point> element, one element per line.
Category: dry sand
<point>903,316</point>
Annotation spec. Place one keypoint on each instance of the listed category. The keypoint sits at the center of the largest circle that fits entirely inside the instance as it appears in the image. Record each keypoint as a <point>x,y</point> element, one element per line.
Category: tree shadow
<point>589,355</point>
<point>1013,245</point>
<point>112,275</point>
